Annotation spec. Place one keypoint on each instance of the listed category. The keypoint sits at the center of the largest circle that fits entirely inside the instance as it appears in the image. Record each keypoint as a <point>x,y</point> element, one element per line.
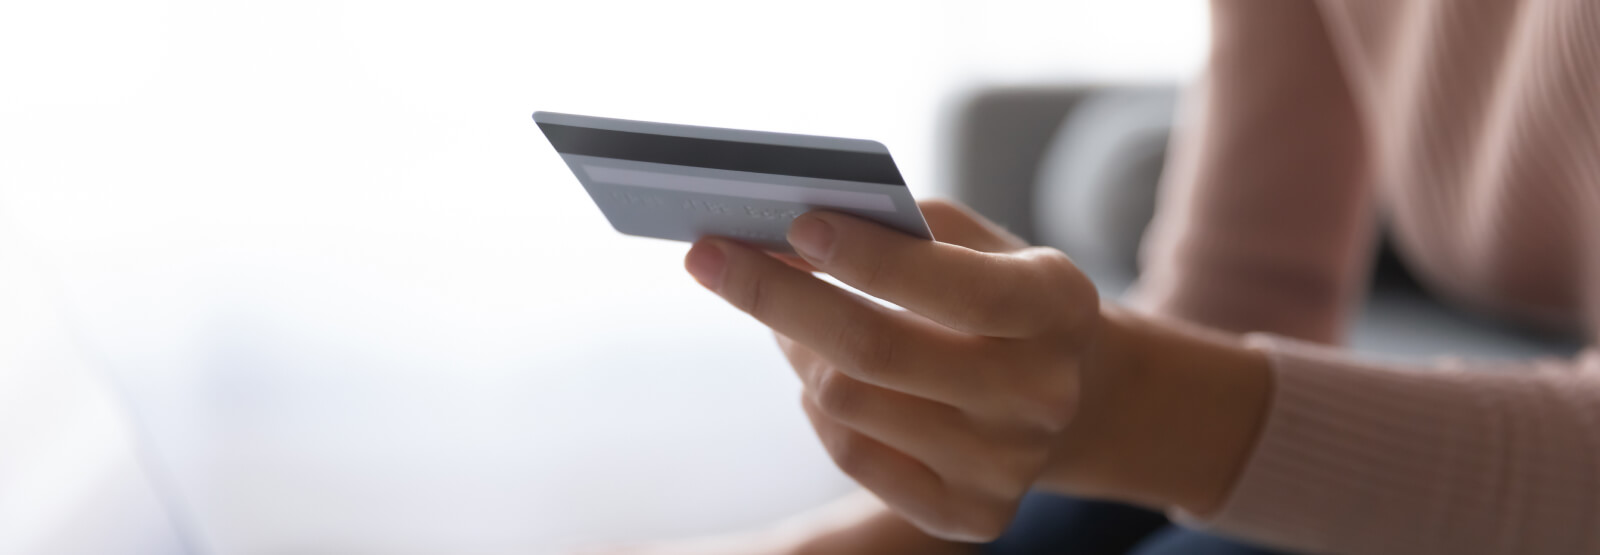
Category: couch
<point>1077,168</point>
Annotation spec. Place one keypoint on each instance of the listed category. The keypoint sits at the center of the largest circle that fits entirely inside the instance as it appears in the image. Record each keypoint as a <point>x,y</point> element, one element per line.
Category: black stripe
<point>845,165</point>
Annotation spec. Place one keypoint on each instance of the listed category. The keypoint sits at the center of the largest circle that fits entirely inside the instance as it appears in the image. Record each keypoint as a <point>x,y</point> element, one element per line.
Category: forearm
<point>1170,417</point>
<point>1310,448</point>
<point>1265,216</point>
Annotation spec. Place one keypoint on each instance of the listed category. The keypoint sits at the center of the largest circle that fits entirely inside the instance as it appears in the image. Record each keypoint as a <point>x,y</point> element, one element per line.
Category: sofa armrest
<point>997,143</point>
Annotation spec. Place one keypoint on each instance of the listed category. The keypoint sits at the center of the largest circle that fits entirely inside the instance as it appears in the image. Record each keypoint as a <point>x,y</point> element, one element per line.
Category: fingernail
<point>705,262</point>
<point>812,237</point>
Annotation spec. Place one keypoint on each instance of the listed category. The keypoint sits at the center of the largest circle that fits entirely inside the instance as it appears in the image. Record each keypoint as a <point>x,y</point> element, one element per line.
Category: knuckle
<point>849,453</point>
<point>753,298</point>
<point>805,369</point>
<point>1062,284</point>
<point>837,395</point>
<point>1054,398</point>
<point>1001,297</point>
<point>940,207</point>
<point>988,521</point>
<point>786,345</point>
<point>868,348</point>
<point>971,521</point>
<point>1063,408</point>
<point>874,272</point>
<point>878,355</point>
<point>1009,467</point>
<point>1054,264</point>
<point>982,308</point>
<point>941,521</point>
<point>1021,469</point>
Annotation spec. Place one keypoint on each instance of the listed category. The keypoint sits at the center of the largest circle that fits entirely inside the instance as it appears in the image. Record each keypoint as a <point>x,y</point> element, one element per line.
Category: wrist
<point>1169,415</point>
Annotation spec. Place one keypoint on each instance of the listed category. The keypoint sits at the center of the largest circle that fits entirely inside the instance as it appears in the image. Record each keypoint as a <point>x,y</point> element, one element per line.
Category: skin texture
<point>1003,373</point>
<point>946,411</point>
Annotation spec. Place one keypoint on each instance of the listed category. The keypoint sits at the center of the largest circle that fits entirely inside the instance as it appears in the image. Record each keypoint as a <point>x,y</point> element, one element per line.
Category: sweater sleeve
<point>1265,225</point>
<point>1265,219</point>
<point>1368,458</point>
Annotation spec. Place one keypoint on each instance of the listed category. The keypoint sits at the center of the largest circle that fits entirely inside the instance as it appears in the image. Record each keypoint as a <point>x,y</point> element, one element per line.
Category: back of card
<point>684,182</point>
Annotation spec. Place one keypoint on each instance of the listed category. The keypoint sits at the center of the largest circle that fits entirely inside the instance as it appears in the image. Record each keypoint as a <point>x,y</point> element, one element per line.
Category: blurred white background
<point>355,303</point>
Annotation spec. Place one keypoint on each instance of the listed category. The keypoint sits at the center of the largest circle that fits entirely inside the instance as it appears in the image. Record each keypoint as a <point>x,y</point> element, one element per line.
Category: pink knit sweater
<point>1472,129</point>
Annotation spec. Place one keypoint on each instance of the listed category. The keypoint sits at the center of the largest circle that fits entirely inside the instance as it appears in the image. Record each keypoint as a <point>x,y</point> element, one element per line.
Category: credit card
<point>683,182</point>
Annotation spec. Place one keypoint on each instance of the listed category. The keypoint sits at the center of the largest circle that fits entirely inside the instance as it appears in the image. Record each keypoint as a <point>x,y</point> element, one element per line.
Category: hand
<point>952,409</point>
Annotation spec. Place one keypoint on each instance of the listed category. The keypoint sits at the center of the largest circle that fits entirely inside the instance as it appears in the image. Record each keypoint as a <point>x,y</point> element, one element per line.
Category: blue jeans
<point>1048,524</point>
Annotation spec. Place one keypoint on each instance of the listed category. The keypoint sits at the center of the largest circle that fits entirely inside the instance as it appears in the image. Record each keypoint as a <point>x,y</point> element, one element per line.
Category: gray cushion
<point>1097,182</point>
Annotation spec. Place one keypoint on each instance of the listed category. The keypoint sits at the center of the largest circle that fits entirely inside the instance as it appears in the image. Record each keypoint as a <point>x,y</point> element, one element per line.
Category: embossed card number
<point>684,182</point>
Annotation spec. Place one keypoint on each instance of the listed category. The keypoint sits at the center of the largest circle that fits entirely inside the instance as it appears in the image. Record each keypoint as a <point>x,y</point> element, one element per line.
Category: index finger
<point>870,343</point>
<point>994,294</point>
<point>954,223</point>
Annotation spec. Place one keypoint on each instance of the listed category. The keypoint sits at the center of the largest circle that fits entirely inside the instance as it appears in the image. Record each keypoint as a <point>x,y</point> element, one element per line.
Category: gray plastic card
<point>684,182</point>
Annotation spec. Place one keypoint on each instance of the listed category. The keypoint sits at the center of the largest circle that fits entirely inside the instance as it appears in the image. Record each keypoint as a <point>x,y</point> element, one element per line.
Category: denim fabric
<point>1050,524</point>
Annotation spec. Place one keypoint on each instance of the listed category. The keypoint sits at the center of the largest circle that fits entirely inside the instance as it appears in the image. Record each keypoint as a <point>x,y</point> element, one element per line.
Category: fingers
<point>905,484</point>
<point>951,223</point>
<point>942,437</point>
<point>794,262</point>
<point>871,343</point>
<point>928,431</point>
<point>958,225</point>
<point>1000,295</point>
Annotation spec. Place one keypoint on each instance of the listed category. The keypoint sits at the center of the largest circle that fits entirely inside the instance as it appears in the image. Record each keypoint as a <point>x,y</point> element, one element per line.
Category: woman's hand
<point>952,409</point>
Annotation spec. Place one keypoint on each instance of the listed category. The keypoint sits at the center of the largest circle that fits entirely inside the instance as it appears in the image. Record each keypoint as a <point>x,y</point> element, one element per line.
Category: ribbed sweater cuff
<point>1366,458</point>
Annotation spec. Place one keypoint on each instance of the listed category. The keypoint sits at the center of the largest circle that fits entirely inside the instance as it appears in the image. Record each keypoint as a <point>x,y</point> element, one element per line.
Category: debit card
<point>684,182</point>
